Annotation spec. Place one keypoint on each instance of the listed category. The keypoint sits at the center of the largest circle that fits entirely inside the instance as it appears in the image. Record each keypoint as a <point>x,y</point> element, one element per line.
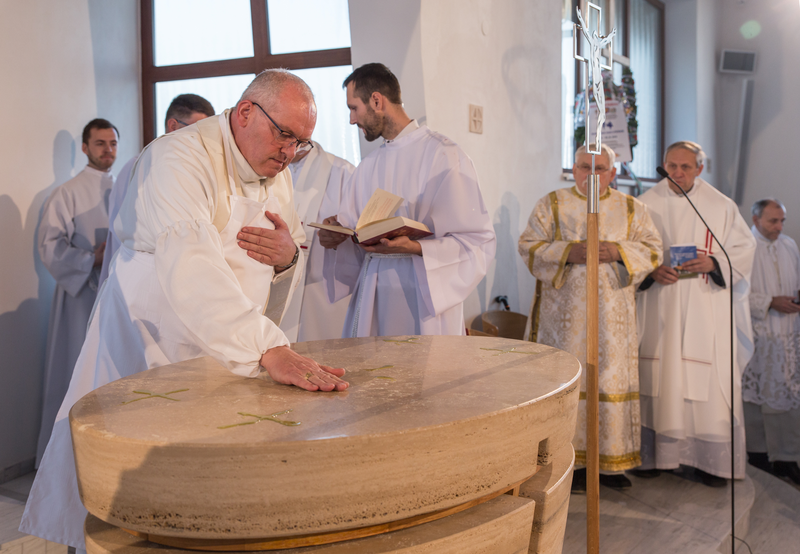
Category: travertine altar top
<point>192,451</point>
<point>394,386</point>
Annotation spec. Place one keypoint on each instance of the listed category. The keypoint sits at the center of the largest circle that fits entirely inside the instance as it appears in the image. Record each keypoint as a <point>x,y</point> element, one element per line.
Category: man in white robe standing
<point>771,383</point>
<point>184,110</point>
<point>684,357</point>
<point>318,178</point>
<point>208,228</point>
<point>71,241</point>
<point>403,286</point>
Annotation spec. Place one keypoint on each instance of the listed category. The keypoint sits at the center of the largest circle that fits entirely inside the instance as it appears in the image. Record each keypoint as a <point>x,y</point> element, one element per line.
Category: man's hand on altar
<point>329,239</point>
<point>287,367</point>
<point>398,245</point>
<point>665,275</point>
<point>784,305</point>
<point>271,247</point>
<point>701,264</point>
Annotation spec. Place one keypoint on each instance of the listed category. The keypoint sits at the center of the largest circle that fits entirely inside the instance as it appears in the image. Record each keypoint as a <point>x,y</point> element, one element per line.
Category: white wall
<point>691,30</point>
<point>388,32</point>
<point>504,56</point>
<point>773,154</point>
<point>64,63</point>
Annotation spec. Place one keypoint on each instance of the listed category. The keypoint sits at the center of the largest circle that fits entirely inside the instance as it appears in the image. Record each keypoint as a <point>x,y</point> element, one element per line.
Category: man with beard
<point>71,242</point>
<point>403,286</point>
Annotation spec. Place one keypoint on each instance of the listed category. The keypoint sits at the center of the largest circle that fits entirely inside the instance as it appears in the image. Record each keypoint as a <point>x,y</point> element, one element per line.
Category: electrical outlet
<point>475,119</point>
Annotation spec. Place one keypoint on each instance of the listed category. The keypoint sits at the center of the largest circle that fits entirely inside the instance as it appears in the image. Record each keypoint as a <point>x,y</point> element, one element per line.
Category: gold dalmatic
<point>558,314</point>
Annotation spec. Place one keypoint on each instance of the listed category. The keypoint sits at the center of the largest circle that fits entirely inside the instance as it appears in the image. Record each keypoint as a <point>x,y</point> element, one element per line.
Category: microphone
<point>663,172</point>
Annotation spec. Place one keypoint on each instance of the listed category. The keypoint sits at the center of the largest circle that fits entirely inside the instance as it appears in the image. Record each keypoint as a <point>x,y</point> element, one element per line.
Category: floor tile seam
<point>649,539</point>
<point>643,503</point>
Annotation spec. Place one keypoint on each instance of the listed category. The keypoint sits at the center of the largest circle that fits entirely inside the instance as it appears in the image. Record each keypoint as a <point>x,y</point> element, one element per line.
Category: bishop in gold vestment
<point>554,249</point>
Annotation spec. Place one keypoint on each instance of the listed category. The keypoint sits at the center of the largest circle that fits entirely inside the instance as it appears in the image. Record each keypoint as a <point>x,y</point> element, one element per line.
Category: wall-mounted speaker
<point>737,61</point>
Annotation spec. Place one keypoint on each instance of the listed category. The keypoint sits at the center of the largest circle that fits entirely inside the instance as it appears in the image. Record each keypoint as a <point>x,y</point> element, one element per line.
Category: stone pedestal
<point>430,426</point>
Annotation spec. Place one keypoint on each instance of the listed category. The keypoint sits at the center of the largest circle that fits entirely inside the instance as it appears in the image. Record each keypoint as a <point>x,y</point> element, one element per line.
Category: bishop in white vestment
<point>684,357</point>
<point>183,284</point>
<point>771,382</point>
<point>74,225</point>
<point>319,178</point>
<point>556,231</point>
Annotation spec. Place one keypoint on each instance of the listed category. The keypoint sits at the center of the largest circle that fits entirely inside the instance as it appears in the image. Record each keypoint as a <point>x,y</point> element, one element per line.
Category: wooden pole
<point>592,392</point>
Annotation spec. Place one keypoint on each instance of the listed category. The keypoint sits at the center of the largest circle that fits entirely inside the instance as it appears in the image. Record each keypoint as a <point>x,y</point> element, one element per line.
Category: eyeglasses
<point>287,139</point>
<point>182,123</point>
<point>586,167</point>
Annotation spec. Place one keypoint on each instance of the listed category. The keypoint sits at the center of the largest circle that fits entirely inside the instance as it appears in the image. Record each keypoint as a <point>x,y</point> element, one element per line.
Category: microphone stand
<point>663,172</point>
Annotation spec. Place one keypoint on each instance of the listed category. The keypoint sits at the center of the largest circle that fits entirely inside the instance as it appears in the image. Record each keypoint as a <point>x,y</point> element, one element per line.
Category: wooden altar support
<point>429,426</point>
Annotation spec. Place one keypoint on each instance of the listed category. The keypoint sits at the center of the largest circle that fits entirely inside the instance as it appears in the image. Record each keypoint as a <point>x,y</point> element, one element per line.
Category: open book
<point>375,223</point>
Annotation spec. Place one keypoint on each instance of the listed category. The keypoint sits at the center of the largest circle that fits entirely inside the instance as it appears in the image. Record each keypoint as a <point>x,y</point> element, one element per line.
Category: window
<point>638,46</point>
<point>214,48</point>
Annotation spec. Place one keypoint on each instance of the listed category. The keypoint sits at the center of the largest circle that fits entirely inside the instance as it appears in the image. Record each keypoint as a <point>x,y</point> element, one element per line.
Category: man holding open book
<point>405,284</point>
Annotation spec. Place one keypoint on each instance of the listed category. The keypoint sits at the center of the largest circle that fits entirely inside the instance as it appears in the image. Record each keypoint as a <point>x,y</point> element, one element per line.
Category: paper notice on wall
<point>615,129</point>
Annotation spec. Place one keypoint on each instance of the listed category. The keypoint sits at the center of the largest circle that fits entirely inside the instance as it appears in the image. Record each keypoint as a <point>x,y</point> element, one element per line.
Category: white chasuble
<point>684,357</point>
<point>400,294</point>
<point>318,182</point>
<point>74,223</point>
<point>172,293</point>
<point>558,314</point>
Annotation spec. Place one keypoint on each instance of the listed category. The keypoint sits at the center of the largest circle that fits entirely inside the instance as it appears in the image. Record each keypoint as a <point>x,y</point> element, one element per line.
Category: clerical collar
<point>407,130</point>
<point>247,175</point>
<point>758,235</point>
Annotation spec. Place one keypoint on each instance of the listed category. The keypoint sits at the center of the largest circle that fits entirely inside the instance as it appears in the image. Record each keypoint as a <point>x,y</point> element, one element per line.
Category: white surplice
<point>684,357</point>
<point>401,294</point>
<point>74,222</point>
<point>771,381</point>
<point>176,290</point>
<point>318,182</point>
<point>118,190</point>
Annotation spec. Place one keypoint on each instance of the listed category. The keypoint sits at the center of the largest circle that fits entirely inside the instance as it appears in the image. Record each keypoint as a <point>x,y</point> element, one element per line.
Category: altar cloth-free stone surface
<point>425,425</point>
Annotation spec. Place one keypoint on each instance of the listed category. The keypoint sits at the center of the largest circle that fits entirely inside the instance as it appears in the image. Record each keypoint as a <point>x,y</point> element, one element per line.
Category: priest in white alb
<point>684,357</point>
<point>403,286</point>
<point>71,242</point>
<point>209,233</point>
<point>318,178</point>
<point>771,382</point>
<point>553,247</point>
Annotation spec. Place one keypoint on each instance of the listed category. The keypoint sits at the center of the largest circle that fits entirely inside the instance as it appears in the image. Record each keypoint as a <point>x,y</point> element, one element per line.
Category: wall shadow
<point>23,331</point>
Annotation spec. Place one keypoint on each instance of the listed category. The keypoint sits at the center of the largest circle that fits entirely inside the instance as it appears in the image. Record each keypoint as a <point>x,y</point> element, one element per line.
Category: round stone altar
<point>429,423</point>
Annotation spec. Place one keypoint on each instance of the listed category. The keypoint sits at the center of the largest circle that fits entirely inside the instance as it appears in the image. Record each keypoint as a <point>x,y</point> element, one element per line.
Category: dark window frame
<point>261,60</point>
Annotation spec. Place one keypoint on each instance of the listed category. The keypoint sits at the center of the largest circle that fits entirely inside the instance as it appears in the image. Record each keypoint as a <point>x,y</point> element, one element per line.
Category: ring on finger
<point>308,376</point>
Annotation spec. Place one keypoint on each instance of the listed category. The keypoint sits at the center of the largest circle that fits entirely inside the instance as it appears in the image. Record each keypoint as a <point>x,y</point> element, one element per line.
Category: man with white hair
<point>554,249</point>
<point>207,227</point>
<point>771,382</point>
<point>685,352</point>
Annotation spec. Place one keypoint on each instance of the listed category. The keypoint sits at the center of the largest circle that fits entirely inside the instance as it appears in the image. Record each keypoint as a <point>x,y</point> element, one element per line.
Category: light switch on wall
<point>475,119</point>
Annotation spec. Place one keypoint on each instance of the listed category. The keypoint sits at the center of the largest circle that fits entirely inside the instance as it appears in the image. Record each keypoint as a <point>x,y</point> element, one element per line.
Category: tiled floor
<point>657,516</point>
<point>673,514</point>
<point>12,503</point>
